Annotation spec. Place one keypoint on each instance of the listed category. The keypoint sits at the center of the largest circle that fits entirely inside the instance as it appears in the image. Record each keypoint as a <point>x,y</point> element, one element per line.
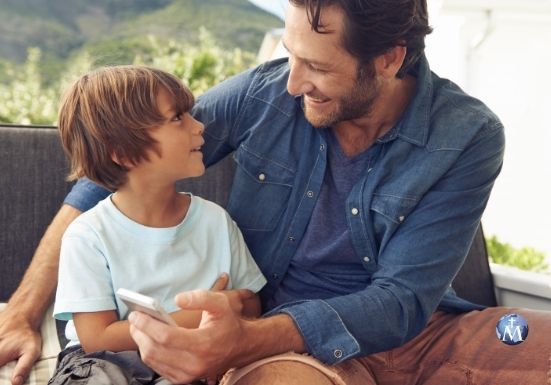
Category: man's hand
<point>183,355</point>
<point>18,341</point>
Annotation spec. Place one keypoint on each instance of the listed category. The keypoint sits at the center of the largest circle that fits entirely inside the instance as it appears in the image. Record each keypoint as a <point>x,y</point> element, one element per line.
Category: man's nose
<point>298,82</point>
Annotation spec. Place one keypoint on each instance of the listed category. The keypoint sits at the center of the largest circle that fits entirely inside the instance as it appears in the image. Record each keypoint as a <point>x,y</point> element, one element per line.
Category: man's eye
<point>315,69</point>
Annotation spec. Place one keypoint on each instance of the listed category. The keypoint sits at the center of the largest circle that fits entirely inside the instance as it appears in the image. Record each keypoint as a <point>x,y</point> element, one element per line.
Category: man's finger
<point>141,321</point>
<point>205,300</point>
<point>22,368</point>
<point>221,283</point>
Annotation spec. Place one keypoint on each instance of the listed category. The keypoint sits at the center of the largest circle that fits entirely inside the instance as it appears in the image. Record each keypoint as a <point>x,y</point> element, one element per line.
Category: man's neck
<point>357,135</point>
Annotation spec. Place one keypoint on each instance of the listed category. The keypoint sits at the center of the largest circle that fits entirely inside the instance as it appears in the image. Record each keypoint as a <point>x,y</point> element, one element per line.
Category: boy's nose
<point>201,128</point>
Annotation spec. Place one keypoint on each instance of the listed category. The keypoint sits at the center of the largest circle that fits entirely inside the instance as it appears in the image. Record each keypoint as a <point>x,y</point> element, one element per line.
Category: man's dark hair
<point>372,27</point>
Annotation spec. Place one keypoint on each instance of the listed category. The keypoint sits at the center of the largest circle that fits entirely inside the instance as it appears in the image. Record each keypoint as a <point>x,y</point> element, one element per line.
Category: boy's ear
<point>123,162</point>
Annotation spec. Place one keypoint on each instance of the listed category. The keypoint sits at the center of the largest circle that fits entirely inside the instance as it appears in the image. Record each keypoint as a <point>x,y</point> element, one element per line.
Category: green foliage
<point>201,66</point>
<point>26,98</point>
<point>23,100</point>
<point>525,258</point>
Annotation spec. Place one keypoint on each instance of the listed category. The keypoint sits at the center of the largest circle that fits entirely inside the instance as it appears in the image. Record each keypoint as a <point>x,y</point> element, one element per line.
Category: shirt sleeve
<point>85,194</point>
<point>244,272</point>
<point>220,109</point>
<point>84,278</point>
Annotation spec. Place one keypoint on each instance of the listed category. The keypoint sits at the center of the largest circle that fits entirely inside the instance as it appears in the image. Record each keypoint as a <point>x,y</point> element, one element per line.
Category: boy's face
<point>176,155</point>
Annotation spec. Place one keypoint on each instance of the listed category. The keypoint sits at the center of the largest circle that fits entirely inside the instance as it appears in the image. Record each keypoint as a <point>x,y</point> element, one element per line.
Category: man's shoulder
<point>453,104</point>
<point>457,118</point>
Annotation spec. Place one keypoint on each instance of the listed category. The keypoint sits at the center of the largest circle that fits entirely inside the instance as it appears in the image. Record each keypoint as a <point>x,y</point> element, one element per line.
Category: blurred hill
<point>62,27</point>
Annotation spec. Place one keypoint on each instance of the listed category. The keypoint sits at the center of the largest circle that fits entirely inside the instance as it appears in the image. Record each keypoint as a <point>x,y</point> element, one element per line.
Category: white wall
<point>500,51</point>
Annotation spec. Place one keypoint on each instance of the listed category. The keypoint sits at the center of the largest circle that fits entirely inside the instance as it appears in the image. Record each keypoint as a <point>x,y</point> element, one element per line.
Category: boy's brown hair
<point>107,113</point>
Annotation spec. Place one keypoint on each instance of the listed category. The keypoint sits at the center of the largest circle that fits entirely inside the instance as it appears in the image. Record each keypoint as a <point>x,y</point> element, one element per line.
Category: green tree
<point>200,66</point>
<point>525,258</point>
<point>23,99</point>
<point>26,99</point>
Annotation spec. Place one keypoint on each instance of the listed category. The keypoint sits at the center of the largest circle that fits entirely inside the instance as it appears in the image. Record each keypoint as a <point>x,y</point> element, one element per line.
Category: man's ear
<point>388,64</point>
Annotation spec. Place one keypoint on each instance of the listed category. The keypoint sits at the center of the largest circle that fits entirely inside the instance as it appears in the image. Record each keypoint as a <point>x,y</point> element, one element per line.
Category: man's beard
<point>355,104</point>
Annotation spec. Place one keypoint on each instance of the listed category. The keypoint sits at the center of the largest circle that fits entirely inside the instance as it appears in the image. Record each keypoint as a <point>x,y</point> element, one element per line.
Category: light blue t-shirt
<point>103,250</point>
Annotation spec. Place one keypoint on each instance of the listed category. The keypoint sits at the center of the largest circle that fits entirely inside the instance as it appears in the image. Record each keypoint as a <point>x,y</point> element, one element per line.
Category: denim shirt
<point>412,215</point>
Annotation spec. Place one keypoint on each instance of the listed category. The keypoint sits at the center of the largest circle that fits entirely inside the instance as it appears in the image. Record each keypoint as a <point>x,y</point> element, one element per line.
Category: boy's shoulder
<point>207,207</point>
<point>92,219</point>
<point>208,213</point>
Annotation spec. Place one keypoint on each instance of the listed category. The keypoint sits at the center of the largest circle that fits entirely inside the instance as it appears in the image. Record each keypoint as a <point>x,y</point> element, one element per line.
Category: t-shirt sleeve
<point>244,272</point>
<point>84,283</point>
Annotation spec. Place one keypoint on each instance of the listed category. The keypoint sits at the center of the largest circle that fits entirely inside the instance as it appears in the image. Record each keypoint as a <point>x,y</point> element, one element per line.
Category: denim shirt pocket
<point>261,191</point>
<point>389,211</point>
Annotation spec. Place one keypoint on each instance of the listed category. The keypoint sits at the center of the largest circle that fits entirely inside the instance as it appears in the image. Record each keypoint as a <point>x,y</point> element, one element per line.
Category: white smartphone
<point>151,306</point>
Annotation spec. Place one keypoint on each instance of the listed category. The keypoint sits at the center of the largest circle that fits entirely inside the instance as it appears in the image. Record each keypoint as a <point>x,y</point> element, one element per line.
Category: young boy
<point>129,129</point>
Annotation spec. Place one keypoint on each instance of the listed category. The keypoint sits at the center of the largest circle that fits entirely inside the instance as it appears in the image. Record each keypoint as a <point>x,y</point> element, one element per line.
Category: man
<point>361,179</point>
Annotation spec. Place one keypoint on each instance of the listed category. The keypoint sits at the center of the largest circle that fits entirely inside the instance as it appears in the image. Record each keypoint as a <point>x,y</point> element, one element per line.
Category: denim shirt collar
<point>413,127</point>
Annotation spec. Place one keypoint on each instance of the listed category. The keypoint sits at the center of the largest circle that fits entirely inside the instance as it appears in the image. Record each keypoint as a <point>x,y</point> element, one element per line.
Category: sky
<point>277,7</point>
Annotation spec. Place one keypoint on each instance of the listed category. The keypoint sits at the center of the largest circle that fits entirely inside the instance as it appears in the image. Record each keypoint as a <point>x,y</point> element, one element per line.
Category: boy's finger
<point>221,283</point>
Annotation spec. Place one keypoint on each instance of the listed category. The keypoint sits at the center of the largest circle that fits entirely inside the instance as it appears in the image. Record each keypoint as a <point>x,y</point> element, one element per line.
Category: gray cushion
<point>32,188</point>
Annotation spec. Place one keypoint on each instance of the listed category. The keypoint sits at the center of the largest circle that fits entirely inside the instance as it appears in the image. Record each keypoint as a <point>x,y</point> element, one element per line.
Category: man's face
<point>323,72</point>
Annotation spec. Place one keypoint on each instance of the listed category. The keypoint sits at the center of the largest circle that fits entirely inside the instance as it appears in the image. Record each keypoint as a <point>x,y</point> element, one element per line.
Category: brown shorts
<point>453,349</point>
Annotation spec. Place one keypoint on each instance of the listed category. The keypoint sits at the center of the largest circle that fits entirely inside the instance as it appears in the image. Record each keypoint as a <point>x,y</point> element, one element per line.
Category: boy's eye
<point>177,117</point>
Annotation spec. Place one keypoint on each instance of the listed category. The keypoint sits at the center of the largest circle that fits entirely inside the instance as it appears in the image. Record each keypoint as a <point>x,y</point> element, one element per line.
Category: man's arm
<point>20,321</point>
<point>223,339</point>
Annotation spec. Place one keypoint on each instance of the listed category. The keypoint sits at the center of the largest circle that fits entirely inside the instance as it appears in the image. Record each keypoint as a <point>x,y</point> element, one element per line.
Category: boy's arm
<point>102,330</point>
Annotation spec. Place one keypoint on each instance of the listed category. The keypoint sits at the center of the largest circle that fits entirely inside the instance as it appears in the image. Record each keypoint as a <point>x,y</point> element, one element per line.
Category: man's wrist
<point>28,311</point>
<point>270,336</point>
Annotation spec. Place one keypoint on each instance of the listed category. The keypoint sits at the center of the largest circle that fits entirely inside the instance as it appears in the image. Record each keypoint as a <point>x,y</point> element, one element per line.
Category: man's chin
<point>319,120</point>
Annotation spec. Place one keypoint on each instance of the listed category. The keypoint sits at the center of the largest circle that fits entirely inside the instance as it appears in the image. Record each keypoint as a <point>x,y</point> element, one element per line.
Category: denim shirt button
<point>261,177</point>
<point>275,276</point>
<point>337,353</point>
<point>354,211</point>
<point>310,194</point>
<point>401,218</point>
<point>291,239</point>
<point>366,259</point>
<point>322,147</point>
<point>369,169</point>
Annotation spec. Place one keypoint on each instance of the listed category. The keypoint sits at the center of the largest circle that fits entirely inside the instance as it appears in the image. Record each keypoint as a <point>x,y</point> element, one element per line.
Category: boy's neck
<point>152,206</point>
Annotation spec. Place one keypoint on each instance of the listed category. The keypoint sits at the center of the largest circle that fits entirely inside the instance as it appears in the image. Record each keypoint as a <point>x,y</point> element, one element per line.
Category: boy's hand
<point>18,341</point>
<point>221,283</point>
<point>236,297</point>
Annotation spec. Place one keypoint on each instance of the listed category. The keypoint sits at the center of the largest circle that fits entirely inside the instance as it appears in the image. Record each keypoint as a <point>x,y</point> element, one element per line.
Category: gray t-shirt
<point>326,263</point>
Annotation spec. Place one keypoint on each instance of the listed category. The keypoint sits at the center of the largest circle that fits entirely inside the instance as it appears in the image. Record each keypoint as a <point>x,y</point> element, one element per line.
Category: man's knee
<point>285,372</point>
